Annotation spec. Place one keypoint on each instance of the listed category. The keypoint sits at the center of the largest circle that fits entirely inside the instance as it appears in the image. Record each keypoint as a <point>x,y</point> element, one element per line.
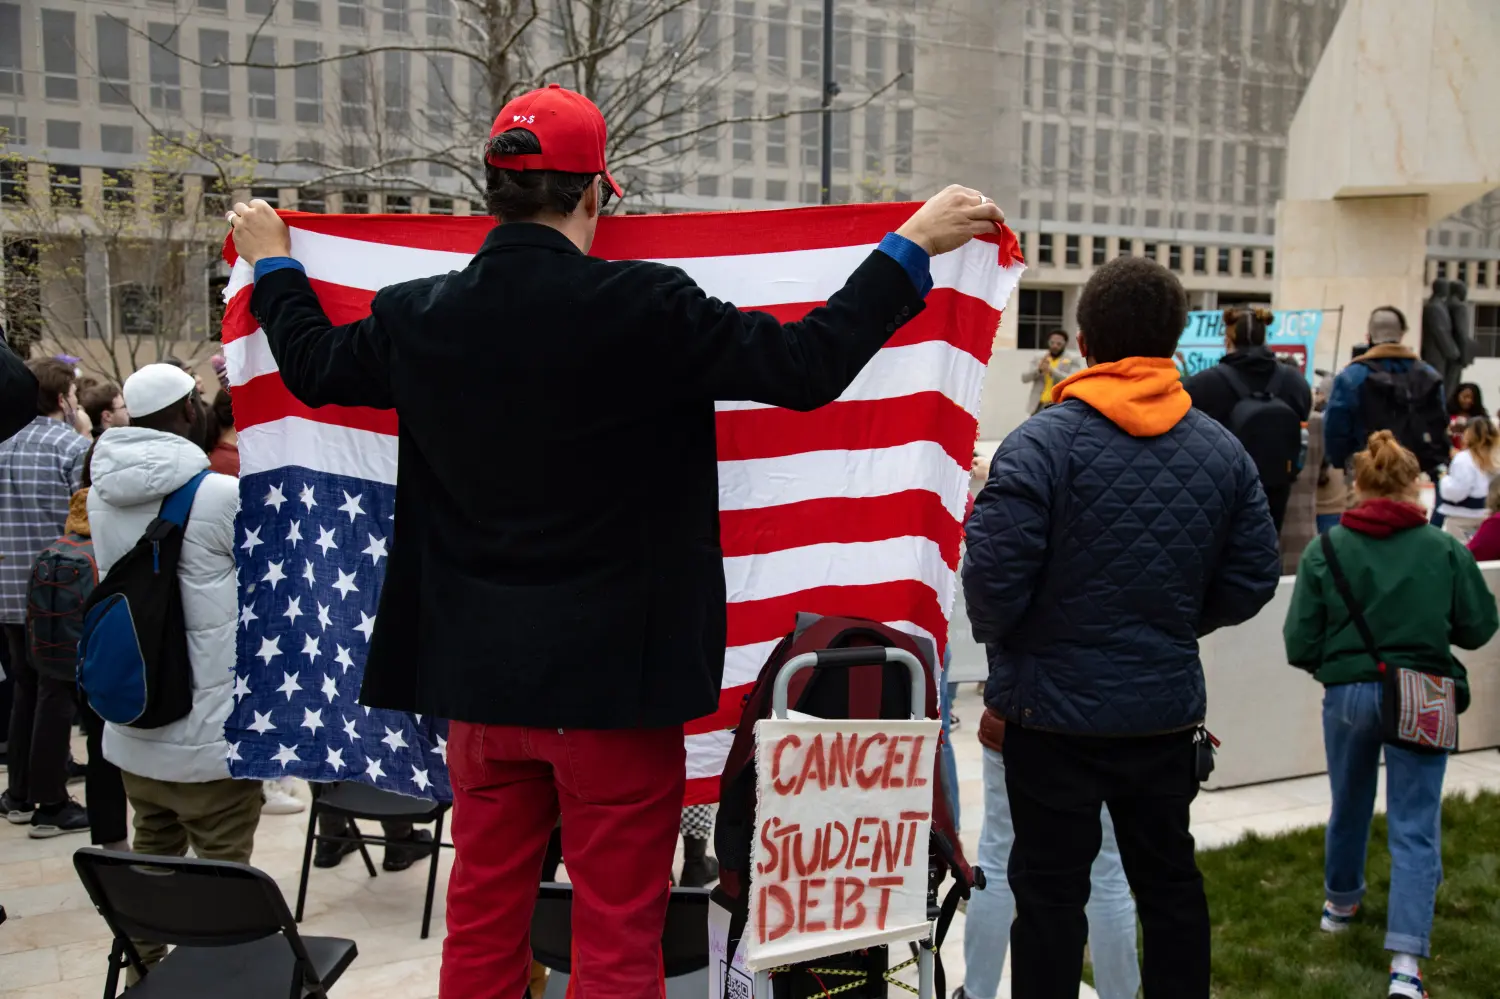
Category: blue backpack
<point>133,657</point>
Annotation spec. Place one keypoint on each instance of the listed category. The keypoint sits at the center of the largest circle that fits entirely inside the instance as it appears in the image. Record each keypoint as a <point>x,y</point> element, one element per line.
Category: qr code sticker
<point>739,985</point>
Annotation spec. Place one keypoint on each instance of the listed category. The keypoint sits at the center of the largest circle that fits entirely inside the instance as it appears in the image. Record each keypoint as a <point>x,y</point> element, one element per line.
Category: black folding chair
<point>353,800</point>
<point>229,925</point>
<point>684,938</point>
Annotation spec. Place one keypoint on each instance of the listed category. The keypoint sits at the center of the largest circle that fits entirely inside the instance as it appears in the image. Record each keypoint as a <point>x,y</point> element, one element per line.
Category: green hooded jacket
<point>1421,593</point>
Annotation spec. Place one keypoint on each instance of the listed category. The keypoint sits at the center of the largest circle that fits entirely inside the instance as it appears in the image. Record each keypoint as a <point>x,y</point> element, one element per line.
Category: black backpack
<point>1412,405</point>
<point>1267,426</point>
<point>133,657</point>
<point>62,577</point>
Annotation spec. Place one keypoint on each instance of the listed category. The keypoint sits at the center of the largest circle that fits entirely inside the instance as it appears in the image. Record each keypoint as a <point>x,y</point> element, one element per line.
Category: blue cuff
<point>266,265</point>
<point>912,258</point>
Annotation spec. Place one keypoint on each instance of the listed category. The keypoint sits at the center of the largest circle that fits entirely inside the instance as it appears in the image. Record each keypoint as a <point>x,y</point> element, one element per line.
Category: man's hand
<point>1043,363</point>
<point>950,219</point>
<point>259,232</point>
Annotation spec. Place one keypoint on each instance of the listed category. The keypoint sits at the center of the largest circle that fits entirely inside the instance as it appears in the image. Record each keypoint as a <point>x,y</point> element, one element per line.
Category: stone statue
<point>1439,348</point>
<point>1462,315</point>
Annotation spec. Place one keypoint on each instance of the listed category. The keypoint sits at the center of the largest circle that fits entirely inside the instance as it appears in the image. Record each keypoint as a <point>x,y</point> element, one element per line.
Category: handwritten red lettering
<point>848,910</point>
<point>784,743</point>
<point>806,904</point>
<point>887,852</point>
<point>893,759</point>
<point>812,766</point>
<point>831,859</point>
<point>768,843</point>
<point>779,895</point>
<point>868,779</point>
<point>912,778</point>
<point>841,759</point>
<point>884,885</point>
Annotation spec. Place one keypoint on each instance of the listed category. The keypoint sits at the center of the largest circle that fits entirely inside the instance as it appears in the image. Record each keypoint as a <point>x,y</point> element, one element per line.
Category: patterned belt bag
<point>1418,711</point>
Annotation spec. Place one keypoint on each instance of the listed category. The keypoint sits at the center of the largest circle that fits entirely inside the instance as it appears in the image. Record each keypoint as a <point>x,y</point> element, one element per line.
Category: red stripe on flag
<point>731,704</point>
<point>840,520</point>
<point>754,621</point>
<point>856,425</point>
<point>341,304</point>
<point>656,237</point>
<point>267,399</point>
<point>701,791</point>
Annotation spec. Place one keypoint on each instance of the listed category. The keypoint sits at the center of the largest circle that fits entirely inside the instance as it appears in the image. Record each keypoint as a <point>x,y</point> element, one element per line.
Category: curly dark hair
<point>1247,325</point>
<point>522,195</point>
<point>1132,307</point>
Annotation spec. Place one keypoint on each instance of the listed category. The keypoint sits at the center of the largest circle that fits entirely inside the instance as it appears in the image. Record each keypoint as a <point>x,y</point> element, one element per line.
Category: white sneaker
<point>280,800</point>
<point>1335,922</point>
<point>1406,987</point>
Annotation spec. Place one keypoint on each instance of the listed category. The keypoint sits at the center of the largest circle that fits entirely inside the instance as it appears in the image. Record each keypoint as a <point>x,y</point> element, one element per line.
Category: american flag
<point>853,509</point>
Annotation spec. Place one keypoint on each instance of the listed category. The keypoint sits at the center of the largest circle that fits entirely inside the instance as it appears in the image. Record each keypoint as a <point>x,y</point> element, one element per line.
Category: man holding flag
<point>567,635</point>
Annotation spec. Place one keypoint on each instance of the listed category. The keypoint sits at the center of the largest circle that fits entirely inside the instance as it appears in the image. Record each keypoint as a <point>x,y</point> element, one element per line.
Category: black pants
<point>1278,497</point>
<point>41,720</point>
<point>330,824</point>
<point>102,784</point>
<point>1056,784</point>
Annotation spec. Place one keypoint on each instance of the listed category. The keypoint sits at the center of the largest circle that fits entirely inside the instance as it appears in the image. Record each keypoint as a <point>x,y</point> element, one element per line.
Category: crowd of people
<point>1132,515</point>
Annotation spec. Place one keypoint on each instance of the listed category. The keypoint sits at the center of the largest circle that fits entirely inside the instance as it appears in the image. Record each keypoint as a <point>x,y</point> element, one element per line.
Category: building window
<point>1158,98</point>
<point>812,134</point>
<point>841,141</point>
<point>1247,262</point>
<point>163,65</point>
<point>1224,266</point>
<point>1149,251</point>
<point>1100,249</point>
<point>1132,87</point>
<point>261,79</point>
<point>440,206</point>
<point>906,58</point>
<point>1049,155</point>
<point>140,309</point>
<point>1072,251</point>
<point>1076,158</point>
<point>356,203</point>
<point>1270,263</point>
<point>117,139</point>
<point>742,141</point>
<point>1103,149</point>
<point>13,183</point>
<point>113,37</point>
<point>397,87</point>
<point>708,117</point>
<point>308,11</point>
<point>744,36</point>
<point>875,140</point>
<point>742,188</point>
<point>775,190</point>
<point>809,193</point>
<point>351,13</point>
<point>875,55</point>
<point>776,104</point>
<point>213,76</point>
<point>1051,72</point>
<point>270,195</point>
<point>1044,247</point>
<point>259,8</point>
<point>307,82</point>
<point>59,55</point>
<point>1041,312</point>
<point>398,204</point>
<point>903,149</point>
<point>1487,329</point>
<point>64,135</point>
<point>394,16</point>
<point>708,186</point>
<point>118,188</point>
<point>354,88</point>
<point>66,181</point>
<point>440,102</point>
<point>1200,260</point>
<point>1174,257</point>
<point>1078,79</point>
<point>439,19</point>
<point>12,82</point>
<point>776,47</point>
<point>812,45</point>
<point>217,6</point>
<point>311,199</point>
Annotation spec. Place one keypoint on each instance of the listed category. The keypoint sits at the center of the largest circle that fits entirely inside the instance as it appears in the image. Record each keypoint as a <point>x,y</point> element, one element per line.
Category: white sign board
<point>842,824</point>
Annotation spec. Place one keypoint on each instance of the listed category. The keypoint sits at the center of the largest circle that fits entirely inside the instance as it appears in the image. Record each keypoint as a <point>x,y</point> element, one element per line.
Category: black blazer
<point>18,390</point>
<point>557,558</point>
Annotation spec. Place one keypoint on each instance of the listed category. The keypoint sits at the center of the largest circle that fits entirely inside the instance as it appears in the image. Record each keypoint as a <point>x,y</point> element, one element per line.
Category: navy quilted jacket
<point>1096,560</point>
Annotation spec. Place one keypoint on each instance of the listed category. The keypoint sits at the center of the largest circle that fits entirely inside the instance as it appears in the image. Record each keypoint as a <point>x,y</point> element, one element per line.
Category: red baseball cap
<point>569,126</point>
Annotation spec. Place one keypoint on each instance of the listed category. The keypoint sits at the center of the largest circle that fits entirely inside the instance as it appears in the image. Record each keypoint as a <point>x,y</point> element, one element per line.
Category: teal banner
<point>1292,334</point>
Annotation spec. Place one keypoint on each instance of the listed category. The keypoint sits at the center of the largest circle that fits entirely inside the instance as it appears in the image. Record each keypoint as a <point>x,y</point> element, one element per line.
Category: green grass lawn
<point>1265,894</point>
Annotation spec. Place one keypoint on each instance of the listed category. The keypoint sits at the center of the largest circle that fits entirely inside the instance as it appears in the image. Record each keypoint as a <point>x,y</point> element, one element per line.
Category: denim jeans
<point>1413,801</point>
<point>946,691</point>
<point>1111,910</point>
<point>1328,521</point>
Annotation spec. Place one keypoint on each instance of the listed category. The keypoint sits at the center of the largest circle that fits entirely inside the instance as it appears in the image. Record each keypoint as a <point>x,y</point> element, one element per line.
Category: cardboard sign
<point>842,824</point>
<point>1292,334</point>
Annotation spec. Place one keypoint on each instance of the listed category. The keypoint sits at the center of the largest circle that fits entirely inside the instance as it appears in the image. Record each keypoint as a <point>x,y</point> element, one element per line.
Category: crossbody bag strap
<point>1341,583</point>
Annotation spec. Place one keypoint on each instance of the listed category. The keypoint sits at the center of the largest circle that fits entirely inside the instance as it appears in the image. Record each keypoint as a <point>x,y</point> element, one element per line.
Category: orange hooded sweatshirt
<point>1143,396</point>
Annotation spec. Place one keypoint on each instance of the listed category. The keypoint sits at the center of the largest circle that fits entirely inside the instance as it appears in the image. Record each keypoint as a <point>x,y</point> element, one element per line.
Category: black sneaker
<point>401,854</point>
<point>17,812</point>
<point>59,820</point>
<point>76,771</point>
<point>331,854</point>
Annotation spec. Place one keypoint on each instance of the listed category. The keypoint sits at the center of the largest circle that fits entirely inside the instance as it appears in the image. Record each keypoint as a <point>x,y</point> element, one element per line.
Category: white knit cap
<point>154,388</point>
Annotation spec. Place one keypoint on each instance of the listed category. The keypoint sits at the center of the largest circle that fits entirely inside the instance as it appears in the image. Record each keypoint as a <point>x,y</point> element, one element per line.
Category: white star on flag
<point>419,778</point>
<point>323,619</point>
<point>294,533</point>
<point>351,506</point>
<point>308,574</point>
<point>442,748</point>
<point>306,498</point>
<point>350,729</point>
<point>345,584</point>
<point>344,659</point>
<point>330,687</point>
<point>312,720</point>
<point>285,755</point>
<point>262,723</point>
<point>376,550</point>
<point>336,759</point>
<point>373,771</point>
<point>247,615</point>
<point>241,688</point>
<point>310,647</point>
<point>289,684</point>
<point>393,738</point>
<point>293,609</point>
<point>273,574</point>
<point>275,498</point>
<point>234,751</point>
<point>270,648</point>
<point>252,539</point>
<point>366,625</point>
<point>326,540</point>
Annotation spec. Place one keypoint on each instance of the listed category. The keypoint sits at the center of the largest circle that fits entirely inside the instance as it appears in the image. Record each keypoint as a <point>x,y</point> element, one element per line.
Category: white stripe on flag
<point>319,447</point>
<point>755,483</point>
<point>749,280</point>
<point>845,563</point>
<point>707,753</point>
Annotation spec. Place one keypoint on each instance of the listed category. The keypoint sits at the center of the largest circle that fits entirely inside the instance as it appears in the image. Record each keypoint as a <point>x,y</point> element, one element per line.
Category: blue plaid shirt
<point>40,470</point>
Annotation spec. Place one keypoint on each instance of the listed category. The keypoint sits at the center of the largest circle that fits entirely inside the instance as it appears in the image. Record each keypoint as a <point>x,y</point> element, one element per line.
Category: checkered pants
<point>698,821</point>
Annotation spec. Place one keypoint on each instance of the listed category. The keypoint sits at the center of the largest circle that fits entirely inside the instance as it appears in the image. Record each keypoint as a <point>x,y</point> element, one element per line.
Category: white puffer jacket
<point>133,470</point>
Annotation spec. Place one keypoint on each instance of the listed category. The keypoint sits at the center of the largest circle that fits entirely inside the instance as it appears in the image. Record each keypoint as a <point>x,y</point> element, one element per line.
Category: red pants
<point>620,797</point>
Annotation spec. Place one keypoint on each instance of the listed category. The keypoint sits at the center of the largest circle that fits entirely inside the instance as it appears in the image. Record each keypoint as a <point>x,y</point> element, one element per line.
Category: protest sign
<point>1293,334</point>
<point>842,823</point>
